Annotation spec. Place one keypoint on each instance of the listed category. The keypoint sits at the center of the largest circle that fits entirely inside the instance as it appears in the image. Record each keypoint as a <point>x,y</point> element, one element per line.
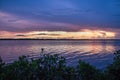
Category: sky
<point>60,19</point>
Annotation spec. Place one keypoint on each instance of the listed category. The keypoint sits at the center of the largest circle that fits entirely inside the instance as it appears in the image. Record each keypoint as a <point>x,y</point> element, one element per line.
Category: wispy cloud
<point>20,35</point>
<point>13,23</point>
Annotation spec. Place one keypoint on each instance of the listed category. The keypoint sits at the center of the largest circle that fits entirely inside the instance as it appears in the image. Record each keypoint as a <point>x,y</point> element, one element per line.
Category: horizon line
<point>51,39</point>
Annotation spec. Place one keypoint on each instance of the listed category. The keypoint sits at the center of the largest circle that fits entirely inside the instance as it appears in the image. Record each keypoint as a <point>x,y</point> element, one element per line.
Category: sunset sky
<point>60,19</point>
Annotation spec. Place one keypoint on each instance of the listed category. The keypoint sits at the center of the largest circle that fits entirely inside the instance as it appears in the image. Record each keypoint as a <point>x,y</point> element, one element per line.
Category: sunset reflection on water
<point>90,51</point>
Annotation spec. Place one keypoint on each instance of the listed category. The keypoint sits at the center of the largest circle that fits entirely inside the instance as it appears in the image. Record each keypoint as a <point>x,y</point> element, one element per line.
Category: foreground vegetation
<point>53,67</point>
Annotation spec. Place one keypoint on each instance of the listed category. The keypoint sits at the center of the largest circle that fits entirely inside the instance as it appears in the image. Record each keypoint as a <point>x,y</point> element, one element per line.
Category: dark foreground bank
<point>53,67</point>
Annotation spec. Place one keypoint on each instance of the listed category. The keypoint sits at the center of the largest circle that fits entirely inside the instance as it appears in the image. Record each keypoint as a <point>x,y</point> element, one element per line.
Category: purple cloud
<point>13,23</point>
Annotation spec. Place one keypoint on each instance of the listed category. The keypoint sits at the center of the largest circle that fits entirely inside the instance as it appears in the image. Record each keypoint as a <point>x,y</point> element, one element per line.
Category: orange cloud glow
<point>83,34</point>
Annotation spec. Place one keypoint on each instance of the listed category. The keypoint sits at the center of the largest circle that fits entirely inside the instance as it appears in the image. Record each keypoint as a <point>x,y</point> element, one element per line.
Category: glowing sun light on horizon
<point>83,34</point>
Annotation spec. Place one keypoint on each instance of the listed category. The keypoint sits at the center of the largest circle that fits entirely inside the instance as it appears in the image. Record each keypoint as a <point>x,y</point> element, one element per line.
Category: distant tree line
<point>53,67</point>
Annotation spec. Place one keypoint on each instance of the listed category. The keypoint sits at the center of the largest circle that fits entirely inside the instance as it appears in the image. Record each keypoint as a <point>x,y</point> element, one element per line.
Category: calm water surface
<point>97,52</point>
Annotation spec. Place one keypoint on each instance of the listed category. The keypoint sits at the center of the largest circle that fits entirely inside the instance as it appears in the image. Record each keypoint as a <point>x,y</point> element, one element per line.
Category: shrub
<point>1,69</point>
<point>51,67</point>
<point>113,70</point>
<point>18,70</point>
<point>69,73</point>
<point>87,72</point>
